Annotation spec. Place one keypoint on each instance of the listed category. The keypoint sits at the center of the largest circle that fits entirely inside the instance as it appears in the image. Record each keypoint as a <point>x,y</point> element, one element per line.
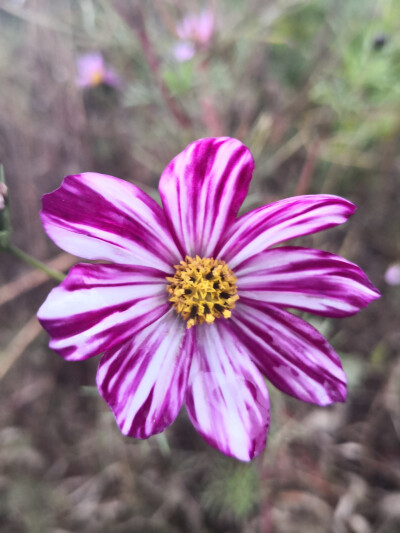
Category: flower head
<point>392,274</point>
<point>183,51</point>
<point>190,307</point>
<point>196,28</point>
<point>92,71</point>
<point>195,31</point>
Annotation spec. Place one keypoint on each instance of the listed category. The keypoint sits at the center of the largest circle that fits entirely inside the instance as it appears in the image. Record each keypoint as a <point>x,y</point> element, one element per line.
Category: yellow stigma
<point>202,290</point>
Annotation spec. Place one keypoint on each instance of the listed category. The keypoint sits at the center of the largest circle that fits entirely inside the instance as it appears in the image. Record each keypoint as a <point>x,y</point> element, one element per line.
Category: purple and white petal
<point>290,353</point>
<point>286,219</point>
<point>144,379</point>
<point>101,217</point>
<point>202,190</point>
<point>99,306</point>
<point>227,400</point>
<point>307,279</point>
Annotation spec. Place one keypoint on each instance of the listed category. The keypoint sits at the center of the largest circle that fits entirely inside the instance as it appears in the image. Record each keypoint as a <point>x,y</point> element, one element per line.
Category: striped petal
<point>260,229</point>
<point>307,279</point>
<point>227,400</point>
<point>202,190</point>
<point>100,217</point>
<point>144,380</point>
<point>99,306</point>
<point>290,353</point>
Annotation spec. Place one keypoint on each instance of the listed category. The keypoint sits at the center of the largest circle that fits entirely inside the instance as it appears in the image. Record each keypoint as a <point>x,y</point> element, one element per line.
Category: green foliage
<point>360,84</point>
<point>232,490</point>
<point>179,77</point>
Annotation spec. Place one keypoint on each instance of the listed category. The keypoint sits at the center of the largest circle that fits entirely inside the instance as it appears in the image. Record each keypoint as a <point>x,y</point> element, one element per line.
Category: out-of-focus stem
<point>308,169</point>
<point>211,118</point>
<point>134,18</point>
<point>28,259</point>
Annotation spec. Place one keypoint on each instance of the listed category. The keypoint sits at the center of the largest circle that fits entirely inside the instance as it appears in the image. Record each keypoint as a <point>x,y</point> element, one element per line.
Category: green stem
<point>55,274</point>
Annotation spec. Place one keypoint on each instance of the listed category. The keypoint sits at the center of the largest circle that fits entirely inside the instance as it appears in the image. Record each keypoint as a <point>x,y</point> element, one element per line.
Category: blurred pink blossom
<point>196,28</point>
<point>184,51</point>
<point>93,71</point>
<point>194,31</point>
<point>392,274</point>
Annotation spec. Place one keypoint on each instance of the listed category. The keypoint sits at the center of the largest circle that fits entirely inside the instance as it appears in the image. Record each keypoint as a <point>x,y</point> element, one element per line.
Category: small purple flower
<point>190,307</point>
<point>195,31</point>
<point>184,51</point>
<point>196,28</point>
<point>93,71</point>
<point>392,274</point>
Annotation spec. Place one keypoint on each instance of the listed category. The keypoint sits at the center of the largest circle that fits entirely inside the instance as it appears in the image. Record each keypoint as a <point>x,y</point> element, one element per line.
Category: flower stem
<point>135,20</point>
<point>51,272</point>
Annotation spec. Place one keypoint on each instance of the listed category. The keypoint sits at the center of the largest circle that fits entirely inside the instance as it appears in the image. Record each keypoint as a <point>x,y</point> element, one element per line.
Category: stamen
<point>202,290</point>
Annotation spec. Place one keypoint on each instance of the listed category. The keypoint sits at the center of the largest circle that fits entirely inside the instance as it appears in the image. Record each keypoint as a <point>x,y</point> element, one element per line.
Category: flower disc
<point>202,290</point>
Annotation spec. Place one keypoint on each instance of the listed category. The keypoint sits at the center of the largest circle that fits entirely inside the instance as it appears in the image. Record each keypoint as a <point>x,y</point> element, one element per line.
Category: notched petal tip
<point>291,353</point>
<point>144,380</point>
<point>98,306</point>
<point>307,279</point>
<point>226,399</point>
<point>202,189</point>
<point>97,216</point>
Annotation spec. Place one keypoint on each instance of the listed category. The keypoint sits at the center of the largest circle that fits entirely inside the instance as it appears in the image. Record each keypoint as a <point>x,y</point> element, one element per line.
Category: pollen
<point>202,290</point>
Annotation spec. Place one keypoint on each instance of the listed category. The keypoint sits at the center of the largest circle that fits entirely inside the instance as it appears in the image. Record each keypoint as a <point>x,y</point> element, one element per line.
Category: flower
<point>195,31</point>
<point>92,71</point>
<point>196,28</point>
<point>190,306</point>
<point>392,274</point>
<point>183,51</point>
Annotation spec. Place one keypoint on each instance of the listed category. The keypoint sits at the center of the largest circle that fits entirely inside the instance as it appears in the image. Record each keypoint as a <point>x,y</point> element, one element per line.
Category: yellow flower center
<point>96,77</point>
<point>202,290</point>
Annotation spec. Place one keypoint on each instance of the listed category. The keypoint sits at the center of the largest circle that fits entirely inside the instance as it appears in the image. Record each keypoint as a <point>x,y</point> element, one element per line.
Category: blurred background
<point>312,87</point>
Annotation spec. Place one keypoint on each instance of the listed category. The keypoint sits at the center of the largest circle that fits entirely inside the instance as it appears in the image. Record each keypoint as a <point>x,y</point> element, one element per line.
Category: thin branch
<point>34,278</point>
<point>28,259</point>
<point>135,20</point>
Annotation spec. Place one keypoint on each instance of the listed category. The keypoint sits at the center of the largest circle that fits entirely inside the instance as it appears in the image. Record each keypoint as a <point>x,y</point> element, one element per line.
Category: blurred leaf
<point>379,354</point>
<point>233,489</point>
<point>354,369</point>
<point>179,79</point>
<point>139,94</point>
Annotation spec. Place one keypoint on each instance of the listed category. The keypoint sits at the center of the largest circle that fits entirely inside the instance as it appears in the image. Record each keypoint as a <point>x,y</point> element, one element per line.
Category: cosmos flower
<point>392,274</point>
<point>93,71</point>
<point>190,308</point>
<point>195,31</point>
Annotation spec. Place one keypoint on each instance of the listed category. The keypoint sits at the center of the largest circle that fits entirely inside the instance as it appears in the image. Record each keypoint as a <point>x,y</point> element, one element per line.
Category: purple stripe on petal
<point>101,217</point>
<point>260,229</point>
<point>227,400</point>
<point>307,279</point>
<point>290,353</point>
<point>202,190</point>
<point>144,379</point>
<point>99,306</point>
